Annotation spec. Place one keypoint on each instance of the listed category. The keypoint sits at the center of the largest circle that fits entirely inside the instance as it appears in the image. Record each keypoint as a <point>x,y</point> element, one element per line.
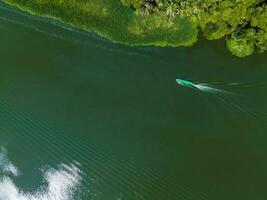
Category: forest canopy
<point>243,23</point>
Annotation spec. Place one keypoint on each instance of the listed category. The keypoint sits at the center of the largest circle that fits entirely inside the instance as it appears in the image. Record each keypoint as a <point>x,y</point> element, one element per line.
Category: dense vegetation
<point>114,21</point>
<point>243,23</point>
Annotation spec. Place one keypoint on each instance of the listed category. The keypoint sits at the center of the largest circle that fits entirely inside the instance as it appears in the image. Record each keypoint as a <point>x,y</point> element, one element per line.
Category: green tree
<point>242,22</point>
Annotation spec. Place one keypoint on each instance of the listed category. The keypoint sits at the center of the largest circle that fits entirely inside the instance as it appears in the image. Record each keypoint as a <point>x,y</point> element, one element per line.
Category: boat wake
<point>210,89</point>
<point>231,100</point>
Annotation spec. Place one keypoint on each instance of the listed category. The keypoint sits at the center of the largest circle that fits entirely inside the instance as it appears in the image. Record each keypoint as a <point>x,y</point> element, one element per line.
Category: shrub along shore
<point>162,22</point>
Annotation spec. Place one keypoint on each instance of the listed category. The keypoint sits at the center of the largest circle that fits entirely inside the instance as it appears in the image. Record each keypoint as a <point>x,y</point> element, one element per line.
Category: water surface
<point>82,118</point>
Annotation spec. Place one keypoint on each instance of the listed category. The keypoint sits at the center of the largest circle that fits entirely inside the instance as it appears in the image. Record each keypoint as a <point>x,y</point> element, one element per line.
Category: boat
<point>185,82</point>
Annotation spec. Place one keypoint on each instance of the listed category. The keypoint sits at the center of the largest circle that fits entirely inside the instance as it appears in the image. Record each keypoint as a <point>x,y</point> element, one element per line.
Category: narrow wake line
<point>62,25</point>
<point>53,21</point>
<point>74,41</point>
<point>212,87</point>
<point>217,94</point>
<point>200,86</point>
<point>240,85</point>
<point>61,183</point>
<point>206,88</point>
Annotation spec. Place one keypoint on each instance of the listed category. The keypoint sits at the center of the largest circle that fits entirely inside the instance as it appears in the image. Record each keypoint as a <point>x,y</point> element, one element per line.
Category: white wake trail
<point>206,88</point>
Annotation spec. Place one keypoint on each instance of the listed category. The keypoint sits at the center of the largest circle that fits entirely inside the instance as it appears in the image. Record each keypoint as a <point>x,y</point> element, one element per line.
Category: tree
<point>242,22</point>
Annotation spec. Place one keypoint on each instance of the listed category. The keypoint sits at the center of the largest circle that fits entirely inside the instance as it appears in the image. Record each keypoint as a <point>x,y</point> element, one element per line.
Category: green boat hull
<point>185,82</point>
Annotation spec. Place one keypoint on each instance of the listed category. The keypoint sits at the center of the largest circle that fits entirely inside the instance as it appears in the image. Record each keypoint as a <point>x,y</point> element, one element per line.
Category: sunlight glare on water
<point>61,183</point>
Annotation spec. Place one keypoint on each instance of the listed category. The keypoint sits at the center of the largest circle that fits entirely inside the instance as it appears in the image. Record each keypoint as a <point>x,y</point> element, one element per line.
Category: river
<point>82,118</point>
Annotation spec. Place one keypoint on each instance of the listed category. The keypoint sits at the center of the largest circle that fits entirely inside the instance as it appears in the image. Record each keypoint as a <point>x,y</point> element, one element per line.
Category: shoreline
<point>181,37</point>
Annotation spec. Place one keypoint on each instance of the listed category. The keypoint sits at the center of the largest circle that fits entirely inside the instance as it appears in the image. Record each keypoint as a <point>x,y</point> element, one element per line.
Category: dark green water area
<point>84,119</point>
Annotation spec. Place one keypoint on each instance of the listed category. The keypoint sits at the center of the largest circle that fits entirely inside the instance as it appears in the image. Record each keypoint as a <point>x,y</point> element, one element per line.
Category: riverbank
<point>112,20</point>
<point>242,24</point>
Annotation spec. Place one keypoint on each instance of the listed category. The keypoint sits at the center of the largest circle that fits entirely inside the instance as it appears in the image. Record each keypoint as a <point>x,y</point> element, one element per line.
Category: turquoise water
<point>82,118</point>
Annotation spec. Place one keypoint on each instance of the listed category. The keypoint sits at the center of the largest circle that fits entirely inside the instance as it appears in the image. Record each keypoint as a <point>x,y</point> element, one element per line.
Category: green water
<point>81,118</point>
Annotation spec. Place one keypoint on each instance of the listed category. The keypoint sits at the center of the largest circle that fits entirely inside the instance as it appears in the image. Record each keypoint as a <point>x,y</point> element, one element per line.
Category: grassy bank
<point>112,20</point>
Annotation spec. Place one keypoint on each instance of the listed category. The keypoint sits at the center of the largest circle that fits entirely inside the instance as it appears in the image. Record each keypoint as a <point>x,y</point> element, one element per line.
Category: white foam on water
<point>207,88</point>
<point>61,183</point>
<point>203,87</point>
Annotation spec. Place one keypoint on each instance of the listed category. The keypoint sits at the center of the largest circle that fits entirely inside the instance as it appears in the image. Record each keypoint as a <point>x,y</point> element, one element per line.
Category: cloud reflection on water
<point>61,183</point>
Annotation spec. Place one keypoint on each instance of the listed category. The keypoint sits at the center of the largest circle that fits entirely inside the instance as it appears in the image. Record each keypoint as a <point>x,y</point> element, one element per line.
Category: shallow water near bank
<point>82,118</point>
